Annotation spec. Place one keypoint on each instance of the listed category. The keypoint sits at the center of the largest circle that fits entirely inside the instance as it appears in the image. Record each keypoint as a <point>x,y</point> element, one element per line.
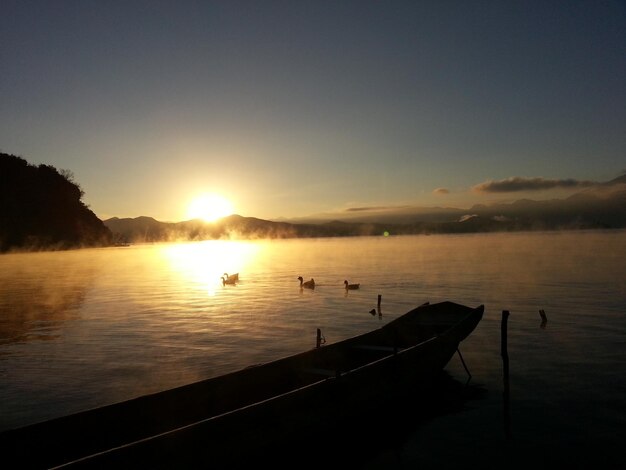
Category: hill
<point>147,229</point>
<point>41,209</point>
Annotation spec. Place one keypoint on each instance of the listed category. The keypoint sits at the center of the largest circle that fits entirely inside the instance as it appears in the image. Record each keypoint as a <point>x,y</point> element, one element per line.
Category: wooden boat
<point>224,418</point>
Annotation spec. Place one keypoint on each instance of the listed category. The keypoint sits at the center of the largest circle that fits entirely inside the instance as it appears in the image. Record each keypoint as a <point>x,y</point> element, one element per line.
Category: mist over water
<point>85,328</point>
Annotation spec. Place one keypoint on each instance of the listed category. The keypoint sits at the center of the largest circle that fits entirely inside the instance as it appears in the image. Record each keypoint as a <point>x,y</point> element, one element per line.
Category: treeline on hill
<point>41,209</point>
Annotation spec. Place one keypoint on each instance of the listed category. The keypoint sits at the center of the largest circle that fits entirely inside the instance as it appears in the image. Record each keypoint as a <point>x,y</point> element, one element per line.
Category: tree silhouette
<point>41,208</point>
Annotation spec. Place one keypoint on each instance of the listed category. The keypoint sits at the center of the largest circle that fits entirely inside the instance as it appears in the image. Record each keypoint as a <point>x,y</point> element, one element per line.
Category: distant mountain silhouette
<point>147,229</point>
<point>599,207</point>
<point>41,209</point>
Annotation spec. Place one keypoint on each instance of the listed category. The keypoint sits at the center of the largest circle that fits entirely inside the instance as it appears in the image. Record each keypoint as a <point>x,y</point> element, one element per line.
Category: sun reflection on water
<point>204,263</point>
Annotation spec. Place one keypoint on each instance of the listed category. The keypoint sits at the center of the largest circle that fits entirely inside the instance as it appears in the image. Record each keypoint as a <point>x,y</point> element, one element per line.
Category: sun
<point>209,207</point>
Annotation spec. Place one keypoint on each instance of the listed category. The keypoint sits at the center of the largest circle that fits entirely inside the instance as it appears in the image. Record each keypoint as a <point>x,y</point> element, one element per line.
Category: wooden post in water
<point>505,363</point>
<point>380,313</point>
<point>318,342</point>
<point>503,343</point>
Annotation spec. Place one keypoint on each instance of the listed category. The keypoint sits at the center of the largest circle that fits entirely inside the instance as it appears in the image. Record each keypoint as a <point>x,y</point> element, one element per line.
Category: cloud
<point>519,183</point>
<point>375,208</point>
<point>441,191</point>
<point>361,209</point>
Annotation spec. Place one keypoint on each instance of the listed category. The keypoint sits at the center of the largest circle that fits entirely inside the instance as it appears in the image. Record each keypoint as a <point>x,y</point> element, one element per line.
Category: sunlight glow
<point>209,207</point>
<point>202,264</point>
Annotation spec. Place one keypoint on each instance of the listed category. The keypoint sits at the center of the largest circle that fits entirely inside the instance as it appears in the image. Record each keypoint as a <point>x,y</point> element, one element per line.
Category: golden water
<point>84,328</point>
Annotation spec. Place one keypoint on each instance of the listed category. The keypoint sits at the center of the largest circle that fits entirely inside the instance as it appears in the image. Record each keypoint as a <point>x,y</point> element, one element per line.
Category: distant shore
<point>147,229</point>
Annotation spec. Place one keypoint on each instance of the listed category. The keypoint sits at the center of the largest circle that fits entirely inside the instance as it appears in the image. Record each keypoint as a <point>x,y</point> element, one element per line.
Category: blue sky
<point>294,108</point>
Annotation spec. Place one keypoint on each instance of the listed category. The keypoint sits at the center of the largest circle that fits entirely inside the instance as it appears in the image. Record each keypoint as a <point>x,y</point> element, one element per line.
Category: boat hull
<point>240,414</point>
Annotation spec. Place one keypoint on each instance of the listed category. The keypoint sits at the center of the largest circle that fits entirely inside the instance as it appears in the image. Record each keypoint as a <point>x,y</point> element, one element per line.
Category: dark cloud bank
<point>518,183</point>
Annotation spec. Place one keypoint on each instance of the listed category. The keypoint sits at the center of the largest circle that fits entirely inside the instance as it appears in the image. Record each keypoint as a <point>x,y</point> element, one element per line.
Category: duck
<point>233,277</point>
<point>228,280</point>
<point>351,286</point>
<point>308,284</point>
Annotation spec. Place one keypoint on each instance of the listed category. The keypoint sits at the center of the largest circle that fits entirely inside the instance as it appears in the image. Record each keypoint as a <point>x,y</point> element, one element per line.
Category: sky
<point>296,108</point>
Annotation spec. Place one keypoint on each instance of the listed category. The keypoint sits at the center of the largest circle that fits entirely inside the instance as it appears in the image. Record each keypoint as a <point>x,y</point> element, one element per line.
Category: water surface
<point>85,328</point>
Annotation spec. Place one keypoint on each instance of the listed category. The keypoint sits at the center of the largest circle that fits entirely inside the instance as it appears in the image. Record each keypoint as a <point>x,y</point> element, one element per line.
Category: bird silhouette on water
<point>308,284</point>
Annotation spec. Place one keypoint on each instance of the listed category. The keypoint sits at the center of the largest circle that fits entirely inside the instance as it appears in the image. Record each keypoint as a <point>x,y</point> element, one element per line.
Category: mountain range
<point>602,206</point>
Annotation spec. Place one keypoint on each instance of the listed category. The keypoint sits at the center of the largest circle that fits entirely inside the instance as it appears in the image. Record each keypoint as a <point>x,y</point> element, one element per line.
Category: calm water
<point>85,328</point>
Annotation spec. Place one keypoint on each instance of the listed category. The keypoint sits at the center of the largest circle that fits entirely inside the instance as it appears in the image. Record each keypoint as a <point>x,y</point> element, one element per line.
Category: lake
<point>85,328</point>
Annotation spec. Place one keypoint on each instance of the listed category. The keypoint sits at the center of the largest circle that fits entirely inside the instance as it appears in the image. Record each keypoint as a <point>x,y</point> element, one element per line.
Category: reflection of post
<point>544,319</point>
<point>505,362</point>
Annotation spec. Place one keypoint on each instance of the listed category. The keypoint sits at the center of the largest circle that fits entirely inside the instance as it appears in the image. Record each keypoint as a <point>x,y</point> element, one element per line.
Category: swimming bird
<point>228,280</point>
<point>308,284</point>
<point>351,286</point>
<point>232,277</point>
